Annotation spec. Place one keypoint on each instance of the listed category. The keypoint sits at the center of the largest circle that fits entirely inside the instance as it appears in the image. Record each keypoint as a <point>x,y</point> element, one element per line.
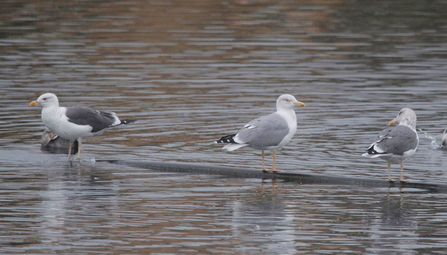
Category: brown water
<point>191,72</point>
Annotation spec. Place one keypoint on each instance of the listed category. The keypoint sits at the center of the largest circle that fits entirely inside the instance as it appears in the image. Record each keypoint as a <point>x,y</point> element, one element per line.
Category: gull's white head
<point>407,117</point>
<point>46,100</point>
<point>287,101</point>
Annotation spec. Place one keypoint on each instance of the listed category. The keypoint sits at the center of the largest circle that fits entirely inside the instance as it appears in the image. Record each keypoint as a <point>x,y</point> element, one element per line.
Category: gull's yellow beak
<point>392,122</point>
<point>34,103</point>
<point>300,104</point>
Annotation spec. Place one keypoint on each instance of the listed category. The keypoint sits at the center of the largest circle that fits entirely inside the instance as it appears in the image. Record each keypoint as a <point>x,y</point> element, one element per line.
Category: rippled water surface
<point>191,72</point>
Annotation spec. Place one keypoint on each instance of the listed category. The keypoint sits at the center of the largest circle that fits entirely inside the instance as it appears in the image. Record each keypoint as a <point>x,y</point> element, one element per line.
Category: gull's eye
<point>45,99</point>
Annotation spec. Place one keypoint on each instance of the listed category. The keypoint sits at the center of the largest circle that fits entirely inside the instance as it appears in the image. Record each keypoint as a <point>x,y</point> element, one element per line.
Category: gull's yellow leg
<point>389,173</point>
<point>79,149</point>
<point>263,167</point>
<point>274,163</point>
<point>69,149</point>
<point>401,179</point>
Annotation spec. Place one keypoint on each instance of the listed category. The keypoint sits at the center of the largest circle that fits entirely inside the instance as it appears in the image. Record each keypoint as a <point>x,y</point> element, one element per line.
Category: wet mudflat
<point>193,72</point>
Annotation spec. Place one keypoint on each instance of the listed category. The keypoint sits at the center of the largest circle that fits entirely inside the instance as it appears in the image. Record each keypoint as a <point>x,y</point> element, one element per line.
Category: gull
<point>270,132</point>
<point>76,122</point>
<point>395,144</point>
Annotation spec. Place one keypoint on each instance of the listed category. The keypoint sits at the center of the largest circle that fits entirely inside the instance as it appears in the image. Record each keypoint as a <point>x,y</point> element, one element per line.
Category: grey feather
<point>82,115</point>
<point>265,131</point>
<point>397,140</point>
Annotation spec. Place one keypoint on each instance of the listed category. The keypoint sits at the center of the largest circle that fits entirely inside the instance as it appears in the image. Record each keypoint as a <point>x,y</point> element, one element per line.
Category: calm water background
<point>193,71</point>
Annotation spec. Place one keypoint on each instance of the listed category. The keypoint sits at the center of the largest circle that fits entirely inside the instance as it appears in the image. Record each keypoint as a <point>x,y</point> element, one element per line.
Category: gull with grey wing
<point>76,122</point>
<point>395,144</point>
<point>270,132</point>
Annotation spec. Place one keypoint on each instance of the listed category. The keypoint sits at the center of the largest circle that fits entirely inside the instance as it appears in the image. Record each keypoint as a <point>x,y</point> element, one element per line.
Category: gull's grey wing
<point>397,140</point>
<point>82,115</point>
<point>263,132</point>
<point>384,133</point>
